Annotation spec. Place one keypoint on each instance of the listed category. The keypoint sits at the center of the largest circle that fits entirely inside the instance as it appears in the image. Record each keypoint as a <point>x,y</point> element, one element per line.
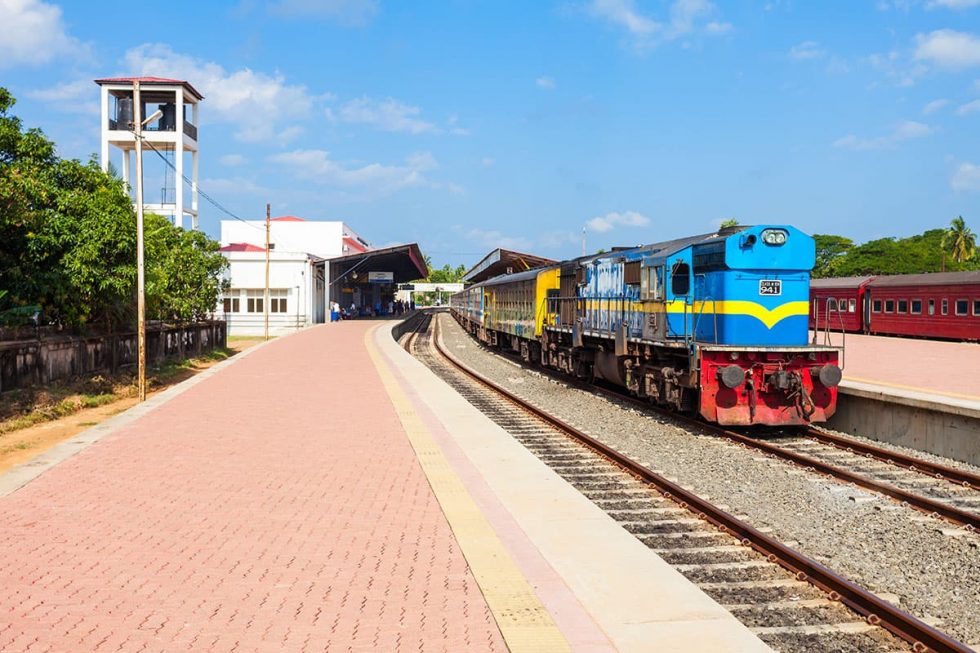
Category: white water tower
<point>172,134</point>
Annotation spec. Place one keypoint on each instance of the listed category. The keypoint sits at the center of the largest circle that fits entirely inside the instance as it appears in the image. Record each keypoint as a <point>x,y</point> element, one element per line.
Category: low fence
<point>40,361</point>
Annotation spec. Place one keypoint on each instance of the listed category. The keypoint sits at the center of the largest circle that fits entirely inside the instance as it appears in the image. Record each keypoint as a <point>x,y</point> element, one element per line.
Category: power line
<point>200,192</point>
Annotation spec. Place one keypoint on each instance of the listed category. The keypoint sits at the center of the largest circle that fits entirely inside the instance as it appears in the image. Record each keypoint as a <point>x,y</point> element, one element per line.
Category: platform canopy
<point>404,262</point>
<point>504,261</point>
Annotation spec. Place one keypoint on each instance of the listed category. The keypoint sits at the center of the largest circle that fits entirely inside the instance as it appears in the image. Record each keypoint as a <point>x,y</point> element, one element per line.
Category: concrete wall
<point>323,239</point>
<point>37,362</point>
<point>947,427</point>
<point>291,275</point>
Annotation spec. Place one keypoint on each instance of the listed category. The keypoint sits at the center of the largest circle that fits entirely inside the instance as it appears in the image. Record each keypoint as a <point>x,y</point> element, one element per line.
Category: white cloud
<point>968,108</point>
<point>232,160</point>
<point>374,178</point>
<point>966,177</point>
<point>80,96</point>
<point>547,83</point>
<point>947,48</point>
<point>345,12</point>
<point>806,50</point>
<point>604,223</point>
<point>488,161</point>
<point>387,115</point>
<point>491,239</point>
<point>934,106</point>
<point>236,186</point>
<point>263,107</point>
<point>905,131</point>
<point>953,4</point>
<point>685,18</point>
<point>32,32</point>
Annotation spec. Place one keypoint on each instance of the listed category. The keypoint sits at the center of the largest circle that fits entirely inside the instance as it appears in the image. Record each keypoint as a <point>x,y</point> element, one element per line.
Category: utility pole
<point>265,301</point>
<point>140,273</point>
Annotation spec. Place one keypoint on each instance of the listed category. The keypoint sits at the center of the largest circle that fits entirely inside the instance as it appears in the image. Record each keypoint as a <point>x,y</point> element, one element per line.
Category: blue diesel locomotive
<point>714,324</point>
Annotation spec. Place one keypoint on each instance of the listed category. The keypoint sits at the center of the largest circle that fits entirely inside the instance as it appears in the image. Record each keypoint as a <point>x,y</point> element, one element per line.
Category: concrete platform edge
<point>20,475</point>
<point>637,599</point>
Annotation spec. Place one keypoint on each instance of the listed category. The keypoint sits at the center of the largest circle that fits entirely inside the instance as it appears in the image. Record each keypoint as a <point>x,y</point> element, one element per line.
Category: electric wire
<point>200,192</point>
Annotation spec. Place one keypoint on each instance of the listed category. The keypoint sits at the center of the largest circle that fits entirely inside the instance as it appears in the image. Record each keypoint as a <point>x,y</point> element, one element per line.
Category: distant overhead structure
<point>172,134</point>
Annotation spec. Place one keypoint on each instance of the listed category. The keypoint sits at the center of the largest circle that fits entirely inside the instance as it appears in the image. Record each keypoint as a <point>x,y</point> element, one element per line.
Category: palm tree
<point>959,241</point>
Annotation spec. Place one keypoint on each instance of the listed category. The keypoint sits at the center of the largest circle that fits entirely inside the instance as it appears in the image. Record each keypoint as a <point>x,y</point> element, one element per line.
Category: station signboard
<point>381,277</point>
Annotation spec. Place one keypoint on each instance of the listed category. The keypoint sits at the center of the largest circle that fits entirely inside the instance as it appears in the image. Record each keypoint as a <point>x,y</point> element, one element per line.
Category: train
<point>714,325</point>
<point>939,305</point>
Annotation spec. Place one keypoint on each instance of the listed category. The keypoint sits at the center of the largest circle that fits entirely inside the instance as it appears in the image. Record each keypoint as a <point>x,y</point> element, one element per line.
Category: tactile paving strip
<point>523,620</point>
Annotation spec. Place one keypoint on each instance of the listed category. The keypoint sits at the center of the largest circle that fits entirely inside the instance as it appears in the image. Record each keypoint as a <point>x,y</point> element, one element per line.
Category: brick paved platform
<point>276,506</point>
<point>327,492</point>
<point>930,366</point>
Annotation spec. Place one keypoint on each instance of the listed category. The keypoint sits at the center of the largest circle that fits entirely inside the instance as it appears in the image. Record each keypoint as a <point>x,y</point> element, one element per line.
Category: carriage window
<point>831,305</point>
<point>945,310</point>
<point>851,305</point>
<point>876,306</point>
<point>961,306</point>
<point>680,282</point>
<point>903,306</point>
<point>932,307</point>
<point>889,305</point>
<point>976,306</point>
<point>916,307</point>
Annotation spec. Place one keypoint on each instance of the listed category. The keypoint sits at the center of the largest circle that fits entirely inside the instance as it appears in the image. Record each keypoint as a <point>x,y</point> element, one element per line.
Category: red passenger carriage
<point>937,305</point>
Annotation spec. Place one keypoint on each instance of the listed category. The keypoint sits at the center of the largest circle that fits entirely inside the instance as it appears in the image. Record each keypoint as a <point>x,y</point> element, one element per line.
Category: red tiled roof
<point>241,247</point>
<point>149,80</point>
<point>288,218</point>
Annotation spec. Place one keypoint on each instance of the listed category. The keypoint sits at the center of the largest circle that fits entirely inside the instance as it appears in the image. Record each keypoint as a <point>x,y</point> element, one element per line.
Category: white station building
<point>311,264</point>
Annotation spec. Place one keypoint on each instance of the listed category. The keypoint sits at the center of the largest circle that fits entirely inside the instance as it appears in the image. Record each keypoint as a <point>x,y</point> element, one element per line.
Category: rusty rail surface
<point>901,460</point>
<point>874,609</point>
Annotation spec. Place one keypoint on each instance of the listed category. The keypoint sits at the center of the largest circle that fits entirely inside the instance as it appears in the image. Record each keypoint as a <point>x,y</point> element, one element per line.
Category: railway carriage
<point>934,305</point>
<point>714,324</point>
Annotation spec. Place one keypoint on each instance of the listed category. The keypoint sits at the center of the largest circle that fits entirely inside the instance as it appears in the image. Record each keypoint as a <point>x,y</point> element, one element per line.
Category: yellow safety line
<point>911,387</point>
<point>523,621</point>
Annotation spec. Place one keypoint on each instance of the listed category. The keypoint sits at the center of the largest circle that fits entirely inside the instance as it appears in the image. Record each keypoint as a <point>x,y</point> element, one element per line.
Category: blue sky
<point>470,124</point>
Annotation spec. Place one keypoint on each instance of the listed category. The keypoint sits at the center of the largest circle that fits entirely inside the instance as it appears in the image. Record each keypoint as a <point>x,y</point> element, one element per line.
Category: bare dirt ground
<point>19,444</point>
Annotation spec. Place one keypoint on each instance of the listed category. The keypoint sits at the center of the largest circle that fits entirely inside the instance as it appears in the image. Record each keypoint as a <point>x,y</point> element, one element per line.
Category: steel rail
<point>874,609</point>
<point>933,507</point>
<point>904,461</point>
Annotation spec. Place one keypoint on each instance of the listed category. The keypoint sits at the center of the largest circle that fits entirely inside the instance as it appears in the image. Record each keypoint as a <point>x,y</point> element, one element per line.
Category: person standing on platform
<point>353,310</point>
<point>334,312</point>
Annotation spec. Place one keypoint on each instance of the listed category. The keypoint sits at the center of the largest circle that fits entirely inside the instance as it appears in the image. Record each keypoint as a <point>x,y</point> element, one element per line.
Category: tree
<point>68,242</point>
<point>958,241</point>
<point>730,222</point>
<point>829,249</point>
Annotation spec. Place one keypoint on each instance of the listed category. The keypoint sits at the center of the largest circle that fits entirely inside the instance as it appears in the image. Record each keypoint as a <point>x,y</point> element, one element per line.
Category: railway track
<point>936,490</point>
<point>793,603</point>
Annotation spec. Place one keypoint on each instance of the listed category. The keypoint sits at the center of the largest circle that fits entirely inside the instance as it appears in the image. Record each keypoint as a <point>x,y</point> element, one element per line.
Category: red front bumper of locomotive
<point>768,387</point>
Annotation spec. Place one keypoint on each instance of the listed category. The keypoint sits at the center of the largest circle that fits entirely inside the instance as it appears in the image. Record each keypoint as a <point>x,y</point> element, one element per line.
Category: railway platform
<point>923,394</point>
<point>325,491</point>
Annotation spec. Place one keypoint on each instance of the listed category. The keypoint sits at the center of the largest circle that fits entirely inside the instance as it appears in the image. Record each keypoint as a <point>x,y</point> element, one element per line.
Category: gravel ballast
<point>894,551</point>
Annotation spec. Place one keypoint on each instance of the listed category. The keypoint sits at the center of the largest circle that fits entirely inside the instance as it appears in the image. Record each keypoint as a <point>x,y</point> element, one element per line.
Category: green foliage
<point>68,242</point>
<point>959,241</point>
<point>446,274</point>
<point>837,257</point>
<point>730,222</point>
<point>829,250</point>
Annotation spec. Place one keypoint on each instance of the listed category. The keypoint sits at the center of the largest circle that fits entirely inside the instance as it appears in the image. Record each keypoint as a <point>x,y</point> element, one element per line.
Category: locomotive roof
<point>516,276</point>
<point>970,277</point>
<point>839,282</point>
<point>668,247</point>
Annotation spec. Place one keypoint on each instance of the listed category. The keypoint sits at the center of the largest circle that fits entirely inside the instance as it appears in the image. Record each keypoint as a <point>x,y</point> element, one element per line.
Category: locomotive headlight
<point>774,237</point>
<point>731,376</point>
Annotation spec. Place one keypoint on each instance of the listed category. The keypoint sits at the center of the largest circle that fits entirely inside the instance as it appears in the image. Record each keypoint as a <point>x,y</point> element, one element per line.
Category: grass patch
<point>27,407</point>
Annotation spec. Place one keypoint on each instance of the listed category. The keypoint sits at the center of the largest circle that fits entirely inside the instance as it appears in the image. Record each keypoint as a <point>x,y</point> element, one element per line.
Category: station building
<point>311,264</point>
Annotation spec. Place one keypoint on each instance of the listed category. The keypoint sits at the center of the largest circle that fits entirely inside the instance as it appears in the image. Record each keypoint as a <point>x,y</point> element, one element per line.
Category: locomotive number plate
<point>771,287</point>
